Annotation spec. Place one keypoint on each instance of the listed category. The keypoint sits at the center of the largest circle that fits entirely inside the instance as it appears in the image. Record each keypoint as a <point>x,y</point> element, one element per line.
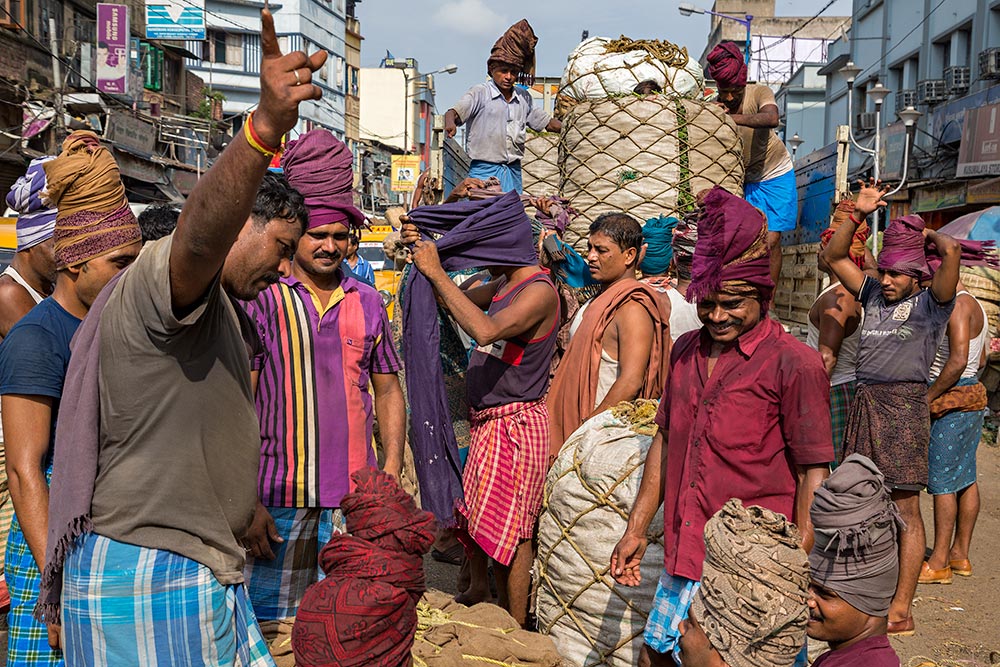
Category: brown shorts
<point>891,424</point>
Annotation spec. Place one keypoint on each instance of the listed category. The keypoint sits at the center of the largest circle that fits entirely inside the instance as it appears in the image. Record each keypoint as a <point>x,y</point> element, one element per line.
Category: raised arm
<point>837,253</point>
<point>945,282</point>
<point>223,198</point>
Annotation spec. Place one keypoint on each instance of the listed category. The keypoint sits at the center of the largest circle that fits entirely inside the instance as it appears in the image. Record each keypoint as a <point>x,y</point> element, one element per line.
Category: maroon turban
<point>906,251</point>
<point>844,210</point>
<point>731,253</point>
<point>364,612</point>
<point>516,48</point>
<point>319,166</point>
<point>727,66</point>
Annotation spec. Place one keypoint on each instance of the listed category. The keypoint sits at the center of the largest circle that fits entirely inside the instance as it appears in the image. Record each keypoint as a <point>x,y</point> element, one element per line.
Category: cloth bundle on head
<point>365,611</point>
<point>856,525</point>
<point>36,222</point>
<point>754,586</point>
<point>84,184</point>
<point>731,253</point>
<point>516,48</point>
<point>727,66</point>
<point>844,211</point>
<point>684,241</point>
<point>469,234</point>
<point>559,215</point>
<point>658,235</point>
<point>319,166</point>
<point>905,250</point>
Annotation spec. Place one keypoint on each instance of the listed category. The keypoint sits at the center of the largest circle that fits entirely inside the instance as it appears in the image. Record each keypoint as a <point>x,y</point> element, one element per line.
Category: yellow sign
<point>405,170</point>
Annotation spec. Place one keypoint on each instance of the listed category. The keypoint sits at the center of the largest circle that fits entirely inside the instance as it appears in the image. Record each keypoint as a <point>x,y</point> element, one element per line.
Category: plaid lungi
<point>276,586</point>
<point>129,605</point>
<point>504,476</point>
<point>6,506</point>
<point>27,639</point>
<point>673,599</point>
<point>890,423</point>
<point>841,397</point>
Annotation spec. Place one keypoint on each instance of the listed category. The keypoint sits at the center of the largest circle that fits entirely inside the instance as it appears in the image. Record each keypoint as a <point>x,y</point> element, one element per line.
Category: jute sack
<point>540,165</point>
<point>589,492</point>
<point>646,156</point>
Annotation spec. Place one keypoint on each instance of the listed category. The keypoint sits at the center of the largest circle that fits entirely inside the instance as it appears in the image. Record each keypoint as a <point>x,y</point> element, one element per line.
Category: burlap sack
<point>540,165</point>
<point>646,156</point>
<point>589,491</point>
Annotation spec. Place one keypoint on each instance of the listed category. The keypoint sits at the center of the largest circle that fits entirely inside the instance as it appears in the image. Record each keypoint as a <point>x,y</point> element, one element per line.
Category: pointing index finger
<point>268,40</point>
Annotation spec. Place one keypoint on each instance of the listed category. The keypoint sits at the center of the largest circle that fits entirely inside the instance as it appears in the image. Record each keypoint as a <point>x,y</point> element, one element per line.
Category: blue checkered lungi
<point>128,605</point>
<point>674,596</point>
<point>276,586</point>
<point>27,639</point>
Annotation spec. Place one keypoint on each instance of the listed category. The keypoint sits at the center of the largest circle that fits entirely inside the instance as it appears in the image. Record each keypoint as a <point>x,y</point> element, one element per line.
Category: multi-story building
<point>229,59</point>
<point>944,60</point>
<point>397,107</point>
<point>802,107</point>
<point>352,99</point>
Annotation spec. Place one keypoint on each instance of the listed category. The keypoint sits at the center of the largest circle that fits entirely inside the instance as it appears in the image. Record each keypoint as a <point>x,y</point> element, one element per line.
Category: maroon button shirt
<point>738,434</point>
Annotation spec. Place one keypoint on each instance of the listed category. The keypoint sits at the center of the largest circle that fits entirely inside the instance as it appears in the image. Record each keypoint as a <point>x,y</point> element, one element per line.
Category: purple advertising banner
<point>112,48</point>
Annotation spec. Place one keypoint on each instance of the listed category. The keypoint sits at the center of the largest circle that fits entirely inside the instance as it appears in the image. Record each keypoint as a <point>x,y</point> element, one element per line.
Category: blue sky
<point>441,32</point>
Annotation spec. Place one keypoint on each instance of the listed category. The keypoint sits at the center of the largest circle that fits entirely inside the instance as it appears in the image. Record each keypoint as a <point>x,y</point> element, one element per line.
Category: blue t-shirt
<point>899,339</point>
<point>35,355</point>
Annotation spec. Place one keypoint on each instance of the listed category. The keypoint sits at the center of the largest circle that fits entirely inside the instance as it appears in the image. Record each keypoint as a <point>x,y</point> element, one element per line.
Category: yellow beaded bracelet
<point>254,141</point>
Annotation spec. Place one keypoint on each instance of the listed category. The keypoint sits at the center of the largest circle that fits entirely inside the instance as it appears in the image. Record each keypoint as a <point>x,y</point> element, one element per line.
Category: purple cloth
<point>906,251</point>
<point>727,66</point>
<point>36,222</point>
<point>731,248</point>
<point>74,465</point>
<point>319,166</point>
<point>491,232</point>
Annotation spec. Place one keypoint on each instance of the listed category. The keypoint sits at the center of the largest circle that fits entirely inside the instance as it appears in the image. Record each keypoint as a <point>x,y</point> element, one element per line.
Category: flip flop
<point>452,555</point>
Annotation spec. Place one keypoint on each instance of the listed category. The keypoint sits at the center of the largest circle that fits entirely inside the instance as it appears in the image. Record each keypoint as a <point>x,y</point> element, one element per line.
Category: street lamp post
<point>795,142</point>
<point>909,116</point>
<point>687,9</point>
<point>402,66</point>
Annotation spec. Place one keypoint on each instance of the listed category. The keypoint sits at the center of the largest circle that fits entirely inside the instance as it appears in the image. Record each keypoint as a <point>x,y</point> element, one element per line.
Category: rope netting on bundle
<point>589,491</point>
<point>646,156</point>
<point>601,67</point>
<point>540,165</point>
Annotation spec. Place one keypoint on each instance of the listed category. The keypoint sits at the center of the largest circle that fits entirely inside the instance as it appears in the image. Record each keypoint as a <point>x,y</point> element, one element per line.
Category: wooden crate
<point>799,285</point>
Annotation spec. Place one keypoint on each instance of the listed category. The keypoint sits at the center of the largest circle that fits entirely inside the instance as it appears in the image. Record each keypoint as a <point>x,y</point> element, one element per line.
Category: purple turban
<point>319,166</point>
<point>731,253</point>
<point>36,222</point>
<point>727,66</point>
<point>906,251</point>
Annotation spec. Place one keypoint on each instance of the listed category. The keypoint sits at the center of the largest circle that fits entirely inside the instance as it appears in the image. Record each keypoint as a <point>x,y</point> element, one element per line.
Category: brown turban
<point>844,210</point>
<point>516,48</point>
<point>84,184</point>
<point>752,598</point>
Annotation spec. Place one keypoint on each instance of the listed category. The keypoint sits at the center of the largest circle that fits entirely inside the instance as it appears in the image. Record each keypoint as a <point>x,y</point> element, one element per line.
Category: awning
<point>178,50</point>
<point>834,65</point>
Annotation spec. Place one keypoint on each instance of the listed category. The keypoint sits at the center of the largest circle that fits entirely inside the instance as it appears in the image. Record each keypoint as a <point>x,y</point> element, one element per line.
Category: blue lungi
<point>276,586</point>
<point>27,639</point>
<point>129,605</point>
<point>779,200</point>
<point>509,174</point>
<point>952,452</point>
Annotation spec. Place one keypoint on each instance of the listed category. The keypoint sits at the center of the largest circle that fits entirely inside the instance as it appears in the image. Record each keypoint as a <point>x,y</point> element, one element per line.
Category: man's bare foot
<point>472,596</point>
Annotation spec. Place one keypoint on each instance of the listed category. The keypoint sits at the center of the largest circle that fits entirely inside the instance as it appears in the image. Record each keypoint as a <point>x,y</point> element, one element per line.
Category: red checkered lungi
<point>504,476</point>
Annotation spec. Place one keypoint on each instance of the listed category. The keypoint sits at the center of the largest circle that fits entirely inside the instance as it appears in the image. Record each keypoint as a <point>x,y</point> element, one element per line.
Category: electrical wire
<point>807,22</point>
<point>903,38</point>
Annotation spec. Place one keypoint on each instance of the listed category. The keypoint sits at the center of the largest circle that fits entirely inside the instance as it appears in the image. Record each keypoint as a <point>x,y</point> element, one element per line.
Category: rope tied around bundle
<point>658,49</point>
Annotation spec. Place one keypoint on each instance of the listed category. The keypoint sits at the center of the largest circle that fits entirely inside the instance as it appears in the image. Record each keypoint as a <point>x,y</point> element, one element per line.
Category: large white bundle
<point>646,156</point>
<point>589,492</point>
<point>593,73</point>
<point>540,165</point>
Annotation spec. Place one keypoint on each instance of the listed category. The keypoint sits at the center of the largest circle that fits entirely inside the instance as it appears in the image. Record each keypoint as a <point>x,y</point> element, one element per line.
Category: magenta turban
<point>319,166</point>
<point>727,66</point>
<point>906,251</point>
<point>731,252</point>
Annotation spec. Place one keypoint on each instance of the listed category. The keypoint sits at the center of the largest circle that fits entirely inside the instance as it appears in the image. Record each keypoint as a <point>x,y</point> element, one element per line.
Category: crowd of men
<point>186,396</point>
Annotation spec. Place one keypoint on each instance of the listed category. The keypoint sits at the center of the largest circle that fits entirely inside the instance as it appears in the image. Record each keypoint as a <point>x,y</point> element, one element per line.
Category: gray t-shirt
<point>496,127</point>
<point>180,441</point>
<point>899,340</point>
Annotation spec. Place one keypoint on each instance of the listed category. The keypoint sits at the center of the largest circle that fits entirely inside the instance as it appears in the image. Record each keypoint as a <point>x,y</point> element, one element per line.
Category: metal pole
<point>406,113</point>
<point>875,156</point>
<point>56,81</point>
<point>749,19</point>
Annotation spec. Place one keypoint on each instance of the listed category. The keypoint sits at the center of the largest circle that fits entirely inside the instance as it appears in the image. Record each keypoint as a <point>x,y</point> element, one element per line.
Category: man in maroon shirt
<point>745,414</point>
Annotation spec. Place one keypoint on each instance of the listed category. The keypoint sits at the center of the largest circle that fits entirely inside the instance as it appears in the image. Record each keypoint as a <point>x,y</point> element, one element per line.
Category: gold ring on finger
<point>298,79</point>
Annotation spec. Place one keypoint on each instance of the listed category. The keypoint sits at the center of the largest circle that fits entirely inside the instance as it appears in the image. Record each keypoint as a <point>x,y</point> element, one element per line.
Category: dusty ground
<point>957,624</point>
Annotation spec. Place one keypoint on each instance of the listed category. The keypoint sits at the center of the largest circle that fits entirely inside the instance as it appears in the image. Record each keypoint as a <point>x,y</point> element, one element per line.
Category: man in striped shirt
<point>328,344</point>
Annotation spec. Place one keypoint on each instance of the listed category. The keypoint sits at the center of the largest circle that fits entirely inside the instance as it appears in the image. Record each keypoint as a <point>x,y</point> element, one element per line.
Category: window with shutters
<point>12,14</point>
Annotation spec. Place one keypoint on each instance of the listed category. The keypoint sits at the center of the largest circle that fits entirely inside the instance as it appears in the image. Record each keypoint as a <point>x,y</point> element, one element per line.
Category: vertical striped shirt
<point>313,395</point>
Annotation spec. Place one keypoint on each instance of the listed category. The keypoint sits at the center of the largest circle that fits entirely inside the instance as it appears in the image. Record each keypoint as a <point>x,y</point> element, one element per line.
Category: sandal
<point>452,555</point>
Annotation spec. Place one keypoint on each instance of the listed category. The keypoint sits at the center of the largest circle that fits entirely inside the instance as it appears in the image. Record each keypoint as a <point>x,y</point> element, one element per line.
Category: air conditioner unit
<point>989,63</point>
<point>906,98</point>
<point>931,91</point>
<point>865,121</point>
<point>956,80</point>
